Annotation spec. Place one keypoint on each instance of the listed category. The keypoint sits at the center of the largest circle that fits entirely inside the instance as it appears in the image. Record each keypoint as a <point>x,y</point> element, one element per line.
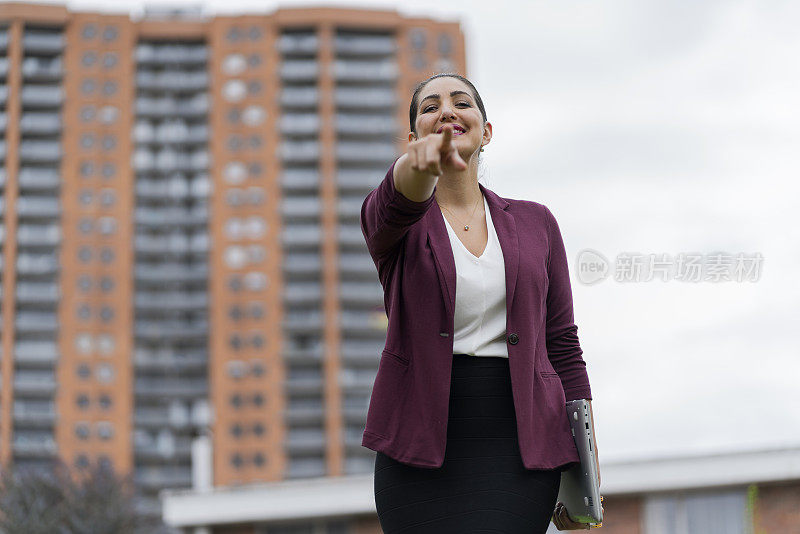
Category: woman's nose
<point>447,111</point>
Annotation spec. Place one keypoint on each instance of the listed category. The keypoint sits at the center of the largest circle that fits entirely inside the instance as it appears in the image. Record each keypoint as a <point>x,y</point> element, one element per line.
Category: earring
<point>481,149</point>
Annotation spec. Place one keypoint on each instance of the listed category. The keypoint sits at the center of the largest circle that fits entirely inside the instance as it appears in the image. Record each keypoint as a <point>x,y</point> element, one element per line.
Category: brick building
<point>182,262</point>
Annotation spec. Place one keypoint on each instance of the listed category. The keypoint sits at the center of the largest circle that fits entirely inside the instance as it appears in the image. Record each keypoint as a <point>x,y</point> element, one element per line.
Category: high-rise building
<point>182,260</point>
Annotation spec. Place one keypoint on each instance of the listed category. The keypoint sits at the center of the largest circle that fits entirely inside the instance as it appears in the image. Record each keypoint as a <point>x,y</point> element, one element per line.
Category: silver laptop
<point>580,487</point>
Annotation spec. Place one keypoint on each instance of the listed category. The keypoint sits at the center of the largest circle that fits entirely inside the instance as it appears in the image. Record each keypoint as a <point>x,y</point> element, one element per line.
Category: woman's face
<point>448,100</point>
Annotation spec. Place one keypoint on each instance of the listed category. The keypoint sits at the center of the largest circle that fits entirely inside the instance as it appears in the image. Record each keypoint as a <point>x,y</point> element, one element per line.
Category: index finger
<point>447,135</point>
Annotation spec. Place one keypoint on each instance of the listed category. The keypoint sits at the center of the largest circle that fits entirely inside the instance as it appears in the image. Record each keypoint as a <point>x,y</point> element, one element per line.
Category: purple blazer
<point>408,409</point>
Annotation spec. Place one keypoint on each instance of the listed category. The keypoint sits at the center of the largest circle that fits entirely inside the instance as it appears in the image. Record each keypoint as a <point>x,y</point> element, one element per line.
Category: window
<point>88,86</point>
<point>82,430</point>
<point>88,59</point>
<point>82,401</point>
<point>717,512</point>
<point>87,113</point>
<point>109,34</point>
<point>89,31</point>
<point>109,88</point>
<point>234,64</point>
<point>418,38</point>
<point>104,401</point>
<point>105,344</point>
<point>109,60</point>
<point>84,344</point>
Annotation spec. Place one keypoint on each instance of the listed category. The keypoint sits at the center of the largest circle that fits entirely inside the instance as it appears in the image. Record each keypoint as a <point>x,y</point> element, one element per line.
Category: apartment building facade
<point>182,261</point>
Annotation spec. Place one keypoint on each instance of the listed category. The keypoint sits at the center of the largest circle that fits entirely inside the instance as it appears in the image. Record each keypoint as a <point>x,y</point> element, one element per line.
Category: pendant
<point>466,227</point>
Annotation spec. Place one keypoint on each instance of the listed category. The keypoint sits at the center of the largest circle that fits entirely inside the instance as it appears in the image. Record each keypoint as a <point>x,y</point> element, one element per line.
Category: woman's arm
<point>563,346</point>
<point>406,193</point>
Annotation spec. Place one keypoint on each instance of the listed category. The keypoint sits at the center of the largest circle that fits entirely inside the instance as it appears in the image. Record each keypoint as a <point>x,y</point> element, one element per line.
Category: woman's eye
<point>428,109</point>
<point>465,103</point>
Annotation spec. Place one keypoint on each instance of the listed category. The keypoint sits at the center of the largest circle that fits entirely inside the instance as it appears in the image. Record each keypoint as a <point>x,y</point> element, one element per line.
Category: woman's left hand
<point>562,521</point>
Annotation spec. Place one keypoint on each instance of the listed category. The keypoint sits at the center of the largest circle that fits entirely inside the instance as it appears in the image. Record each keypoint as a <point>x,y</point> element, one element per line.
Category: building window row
<point>102,225</point>
<point>102,429</point>
<point>235,172</point>
<point>90,86</point>
<point>238,369</point>
<point>239,401</point>
<point>103,372</point>
<point>239,228</point>
<point>240,342</point>
<point>237,34</point>
<point>90,59</point>
<point>238,460</point>
<point>89,169</point>
<point>86,254</point>
<point>105,197</point>
<point>240,431</point>
<point>87,344</point>
<point>239,256</point>
<point>253,310</point>
<point>254,196</point>
<point>104,283</point>
<point>91,31</point>
<point>236,64</point>
<point>103,401</point>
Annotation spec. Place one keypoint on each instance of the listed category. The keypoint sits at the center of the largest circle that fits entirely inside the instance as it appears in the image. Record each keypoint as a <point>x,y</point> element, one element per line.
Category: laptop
<point>580,487</point>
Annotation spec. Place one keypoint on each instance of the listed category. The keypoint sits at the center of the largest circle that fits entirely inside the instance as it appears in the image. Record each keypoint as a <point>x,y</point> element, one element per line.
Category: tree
<point>94,500</point>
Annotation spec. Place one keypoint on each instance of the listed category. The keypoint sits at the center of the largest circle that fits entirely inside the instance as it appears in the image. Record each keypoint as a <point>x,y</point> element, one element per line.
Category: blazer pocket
<point>396,358</point>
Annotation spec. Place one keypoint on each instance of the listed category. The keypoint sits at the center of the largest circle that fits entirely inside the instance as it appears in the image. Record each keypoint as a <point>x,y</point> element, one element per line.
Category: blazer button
<point>513,338</point>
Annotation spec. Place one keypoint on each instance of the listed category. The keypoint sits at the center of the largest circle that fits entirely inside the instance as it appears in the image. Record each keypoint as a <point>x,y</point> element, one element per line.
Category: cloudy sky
<point>652,127</point>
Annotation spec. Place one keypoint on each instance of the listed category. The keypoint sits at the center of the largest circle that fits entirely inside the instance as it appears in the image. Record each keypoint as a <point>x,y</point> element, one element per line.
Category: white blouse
<point>480,314</point>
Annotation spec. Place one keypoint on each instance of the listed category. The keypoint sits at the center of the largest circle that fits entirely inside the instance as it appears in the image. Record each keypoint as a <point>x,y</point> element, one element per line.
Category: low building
<point>745,492</point>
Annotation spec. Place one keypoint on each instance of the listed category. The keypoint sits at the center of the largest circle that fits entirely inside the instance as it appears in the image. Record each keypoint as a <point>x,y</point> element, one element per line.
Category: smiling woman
<point>467,412</point>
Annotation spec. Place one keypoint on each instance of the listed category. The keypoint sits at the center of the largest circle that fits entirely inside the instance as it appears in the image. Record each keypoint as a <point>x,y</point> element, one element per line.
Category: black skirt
<point>482,485</point>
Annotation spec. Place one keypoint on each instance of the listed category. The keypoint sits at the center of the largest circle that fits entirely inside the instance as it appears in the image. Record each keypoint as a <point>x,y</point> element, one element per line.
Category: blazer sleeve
<point>563,346</point>
<point>386,216</point>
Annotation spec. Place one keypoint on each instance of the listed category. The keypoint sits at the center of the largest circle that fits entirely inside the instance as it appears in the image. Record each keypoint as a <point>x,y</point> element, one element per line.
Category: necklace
<point>466,226</point>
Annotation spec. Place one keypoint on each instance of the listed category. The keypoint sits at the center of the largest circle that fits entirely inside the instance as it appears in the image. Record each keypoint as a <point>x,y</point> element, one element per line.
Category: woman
<point>467,411</point>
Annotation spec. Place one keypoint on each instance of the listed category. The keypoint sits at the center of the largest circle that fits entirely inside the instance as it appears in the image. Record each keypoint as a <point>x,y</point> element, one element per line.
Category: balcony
<point>29,235</point>
<point>365,98</point>
<point>36,42</point>
<point>37,264</point>
<point>151,54</point>
<point>300,179</point>
<point>171,301</point>
<point>299,97</point>
<point>296,293</point>
<point>364,152</point>
<point>171,331</point>
<point>364,45</point>
<point>298,43</point>
<point>299,70</point>
<point>41,207</point>
<point>299,124</point>
<point>41,96</point>
<point>186,388</point>
<point>300,151</point>
<point>172,81</point>
<point>42,69</point>
<point>366,125</point>
<point>40,151</point>
<point>364,71</point>
<point>294,236</point>
<point>39,179</point>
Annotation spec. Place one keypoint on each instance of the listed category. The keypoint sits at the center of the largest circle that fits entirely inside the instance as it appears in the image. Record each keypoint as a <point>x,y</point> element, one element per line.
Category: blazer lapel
<point>506,227</point>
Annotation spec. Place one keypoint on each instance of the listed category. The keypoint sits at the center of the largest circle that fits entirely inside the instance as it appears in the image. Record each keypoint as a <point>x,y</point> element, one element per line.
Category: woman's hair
<point>415,98</point>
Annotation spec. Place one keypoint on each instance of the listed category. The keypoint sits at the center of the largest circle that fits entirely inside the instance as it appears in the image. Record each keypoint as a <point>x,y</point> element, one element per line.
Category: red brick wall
<point>621,515</point>
<point>777,509</point>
